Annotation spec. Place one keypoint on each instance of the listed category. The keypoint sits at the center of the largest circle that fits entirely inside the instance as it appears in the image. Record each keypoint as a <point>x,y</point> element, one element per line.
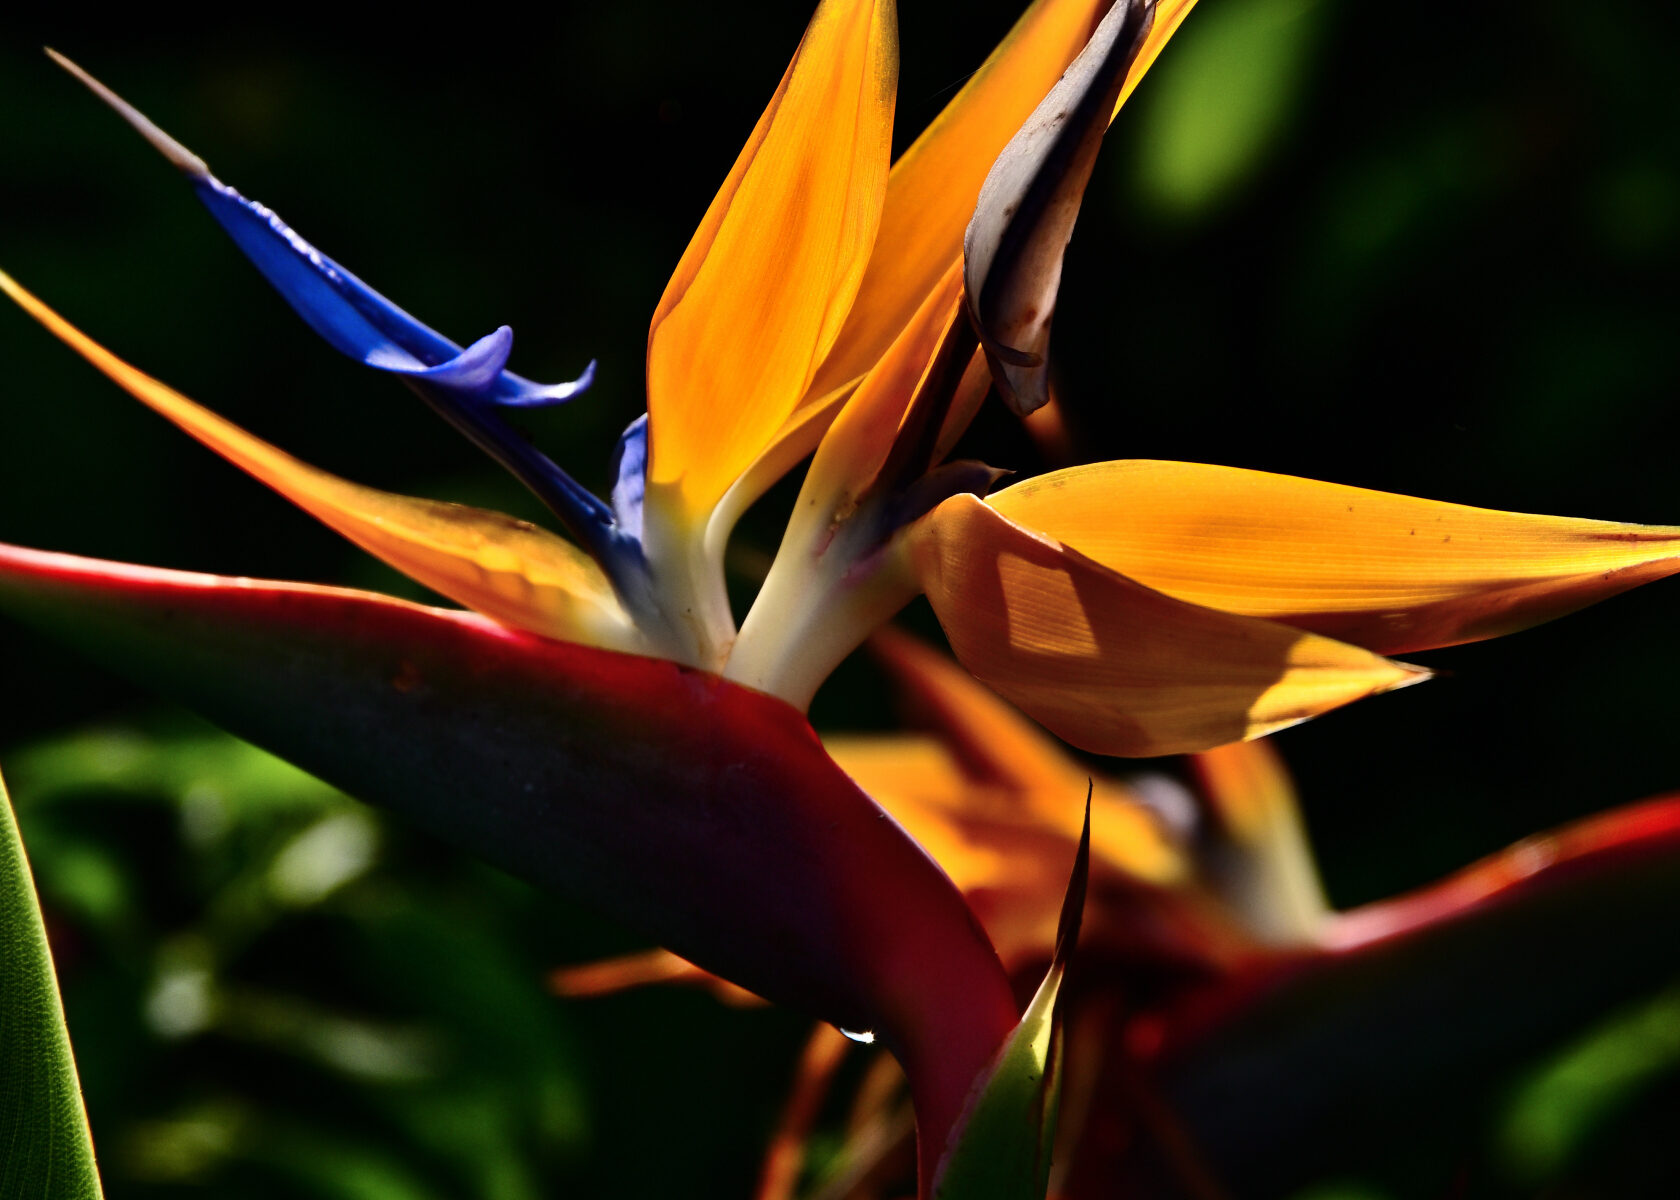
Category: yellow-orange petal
<point>811,421</point>
<point>1010,865</point>
<point>930,197</point>
<point>992,739</point>
<point>858,442</point>
<point>508,570</point>
<point>1113,666</point>
<point>640,969</point>
<point>1390,573</point>
<point>1006,755</point>
<point>1272,881</point>
<point>1008,851</point>
<point>934,184</point>
<point>764,287</point>
<point>887,766</point>
<point>918,781</point>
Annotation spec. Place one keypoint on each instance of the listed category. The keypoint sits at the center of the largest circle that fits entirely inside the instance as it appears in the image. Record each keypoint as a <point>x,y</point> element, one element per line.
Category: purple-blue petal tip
<point>629,470</point>
<point>466,386</point>
<point>356,320</point>
<point>513,391</point>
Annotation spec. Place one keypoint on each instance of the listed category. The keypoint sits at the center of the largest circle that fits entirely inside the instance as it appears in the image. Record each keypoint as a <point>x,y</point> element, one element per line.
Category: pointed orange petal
<point>1391,573</point>
<point>610,975</point>
<point>508,570</point>
<point>1111,665</point>
<point>901,765</point>
<point>931,194</point>
<point>930,198</point>
<point>1002,749</point>
<point>811,421</point>
<point>1010,864</point>
<point>856,445</point>
<point>977,831</point>
<point>784,1157</point>
<point>992,739</point>
<point>763,289</point>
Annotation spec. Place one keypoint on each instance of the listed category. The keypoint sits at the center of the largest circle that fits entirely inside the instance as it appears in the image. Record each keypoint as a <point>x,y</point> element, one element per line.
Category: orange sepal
<point>609,975</point>
<point>1391,573</point>
<point>1115,667</point>
<point>764,287</point>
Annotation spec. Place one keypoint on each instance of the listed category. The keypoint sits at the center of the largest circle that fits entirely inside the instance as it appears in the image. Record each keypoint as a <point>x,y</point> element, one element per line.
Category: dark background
<point>1425,250</point>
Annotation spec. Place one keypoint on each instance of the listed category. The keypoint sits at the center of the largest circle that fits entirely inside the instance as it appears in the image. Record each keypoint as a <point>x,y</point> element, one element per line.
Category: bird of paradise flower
<point>1210,955</point>
<point>598,722</point>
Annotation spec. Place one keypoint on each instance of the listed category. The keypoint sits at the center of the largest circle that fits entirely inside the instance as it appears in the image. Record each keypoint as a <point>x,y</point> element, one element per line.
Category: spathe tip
<point>165,145</point>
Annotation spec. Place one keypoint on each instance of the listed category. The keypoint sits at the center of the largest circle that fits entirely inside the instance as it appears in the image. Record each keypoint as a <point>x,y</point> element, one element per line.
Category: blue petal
<point>353,318</point>
<point>473,370</point>
<point>629,470</point>
<point>465,386</point>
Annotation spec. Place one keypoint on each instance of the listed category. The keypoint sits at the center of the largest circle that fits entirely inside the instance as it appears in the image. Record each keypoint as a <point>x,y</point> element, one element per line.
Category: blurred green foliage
<point>1555,1115</point>
<point>1221,102</point>
<point>1431,252</point>
<point>275,994</point>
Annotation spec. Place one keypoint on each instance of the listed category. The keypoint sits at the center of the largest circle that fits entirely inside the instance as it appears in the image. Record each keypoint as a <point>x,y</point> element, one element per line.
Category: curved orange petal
<point>1111,665</point>
<point>1007,851</point>
<point>992,739</point>
<point>763,289</point>
<point>811,421</point>
<point>508,570</point>
<point>1391,573</point>
<point>931,193</point>
<point>930,197</point>
<point>901,765</point>
<point>1014,247</point>
<point>924,788</point>
<point>862,435</point>
<point>639,969</point>
<point>1002,751</point>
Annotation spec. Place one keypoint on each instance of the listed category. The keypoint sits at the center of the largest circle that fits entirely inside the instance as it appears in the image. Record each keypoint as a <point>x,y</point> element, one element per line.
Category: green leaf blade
<point>46,1152</point>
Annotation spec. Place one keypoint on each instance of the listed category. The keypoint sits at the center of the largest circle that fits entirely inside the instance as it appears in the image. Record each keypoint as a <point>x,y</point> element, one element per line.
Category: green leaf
<point>150,765</point>
<point>1000,1150</point>
<point>1556,1112</point>
<point>48,1153</point>
<point>1221,100</point>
